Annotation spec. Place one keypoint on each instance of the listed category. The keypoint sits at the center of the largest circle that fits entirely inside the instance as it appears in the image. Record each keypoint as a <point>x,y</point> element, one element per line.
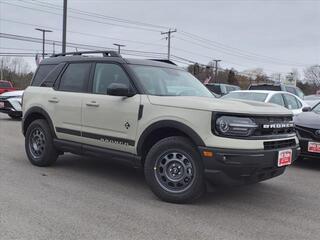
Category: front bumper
<point>304,148</point>
<point>11,107</point>
<point>236,167</point>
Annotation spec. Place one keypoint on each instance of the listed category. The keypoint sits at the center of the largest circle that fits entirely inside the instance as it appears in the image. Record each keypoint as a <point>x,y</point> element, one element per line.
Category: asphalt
<point>87,198</point>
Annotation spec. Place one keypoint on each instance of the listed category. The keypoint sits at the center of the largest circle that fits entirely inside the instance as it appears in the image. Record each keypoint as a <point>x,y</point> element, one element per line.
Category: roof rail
<point>164,61</point>
<point>104,53</point>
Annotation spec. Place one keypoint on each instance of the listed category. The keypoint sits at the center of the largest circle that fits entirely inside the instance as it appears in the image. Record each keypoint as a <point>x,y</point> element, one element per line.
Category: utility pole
<point>64,26</point>
<point>216,70</point>
<point>43,39</point>
<point>169,39</point>
<point>119,46</point>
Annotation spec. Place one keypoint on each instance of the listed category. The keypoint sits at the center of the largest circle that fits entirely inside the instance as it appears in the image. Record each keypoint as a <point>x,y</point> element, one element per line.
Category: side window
<point>50,79</point>
<point>75,78</point>
<point>41,74</point>
<point>277,99</point>
<point>105,74</point>
<point>292,102</point>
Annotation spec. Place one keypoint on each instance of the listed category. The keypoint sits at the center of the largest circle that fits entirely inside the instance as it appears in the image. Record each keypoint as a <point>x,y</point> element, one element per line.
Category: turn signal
<point>207,153</point>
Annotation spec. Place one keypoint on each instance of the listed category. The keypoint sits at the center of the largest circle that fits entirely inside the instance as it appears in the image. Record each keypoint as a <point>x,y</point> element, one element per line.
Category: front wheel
<point>39,144</point>
<point>174,170</point>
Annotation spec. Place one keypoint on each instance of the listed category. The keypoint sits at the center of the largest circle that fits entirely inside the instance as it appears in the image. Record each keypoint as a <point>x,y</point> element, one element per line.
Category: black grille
<point>307,132</point>
<point>279,144</point>
<point>260,131</point>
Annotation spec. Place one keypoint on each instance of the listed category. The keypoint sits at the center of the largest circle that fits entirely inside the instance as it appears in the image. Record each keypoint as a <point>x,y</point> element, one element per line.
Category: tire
<point>174,170</point>
<point>39,144</point>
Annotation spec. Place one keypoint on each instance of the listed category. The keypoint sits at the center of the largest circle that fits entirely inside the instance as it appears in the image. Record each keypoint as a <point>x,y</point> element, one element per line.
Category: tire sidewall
<point>182,145</point>
<point>49,155</point>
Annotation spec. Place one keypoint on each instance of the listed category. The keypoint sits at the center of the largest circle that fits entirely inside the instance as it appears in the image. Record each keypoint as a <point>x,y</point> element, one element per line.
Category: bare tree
<point>312,75</point>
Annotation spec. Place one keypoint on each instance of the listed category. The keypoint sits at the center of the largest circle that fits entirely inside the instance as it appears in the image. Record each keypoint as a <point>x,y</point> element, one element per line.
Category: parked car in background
<point>278,87</point>
<point>221,89</point>
<point>308,131</point>
<point>284,99</point>
<point>6,86</point>
<point>10,103</point>
<point>312,100</point>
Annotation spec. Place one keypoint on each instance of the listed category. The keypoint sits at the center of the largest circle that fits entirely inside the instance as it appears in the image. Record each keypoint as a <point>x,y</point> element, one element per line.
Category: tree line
<point>18,71</point>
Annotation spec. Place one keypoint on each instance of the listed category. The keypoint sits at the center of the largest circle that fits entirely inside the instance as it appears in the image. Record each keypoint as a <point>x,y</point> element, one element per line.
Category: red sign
<point>284,158</point>
<point>314,147</point>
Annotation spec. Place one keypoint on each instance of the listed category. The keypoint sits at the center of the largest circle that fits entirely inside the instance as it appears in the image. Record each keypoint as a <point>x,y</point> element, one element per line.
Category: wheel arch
<point>165,128</point>
<point>33,114</point>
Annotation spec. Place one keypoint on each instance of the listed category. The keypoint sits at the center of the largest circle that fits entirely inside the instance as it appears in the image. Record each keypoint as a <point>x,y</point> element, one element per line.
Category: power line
<point>83,19</point>
<point>84,34</point>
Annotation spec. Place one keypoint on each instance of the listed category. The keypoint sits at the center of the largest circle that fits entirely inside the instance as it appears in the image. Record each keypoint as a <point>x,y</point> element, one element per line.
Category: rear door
<point>109,121</point>
<point>66,100</point>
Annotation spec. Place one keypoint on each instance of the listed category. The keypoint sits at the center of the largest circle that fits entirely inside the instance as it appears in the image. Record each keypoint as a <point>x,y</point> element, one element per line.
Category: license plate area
<point>284,157</point>
<point>314,147</point>
<point>1,104</point>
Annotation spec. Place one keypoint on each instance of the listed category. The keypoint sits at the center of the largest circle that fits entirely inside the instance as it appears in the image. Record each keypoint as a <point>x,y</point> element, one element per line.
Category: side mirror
<point>306,109</point>
<point>119,89</point>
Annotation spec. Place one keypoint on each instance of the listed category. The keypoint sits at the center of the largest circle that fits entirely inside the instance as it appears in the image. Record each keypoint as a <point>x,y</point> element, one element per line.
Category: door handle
<point>92,104</point>
<point>53,100</point>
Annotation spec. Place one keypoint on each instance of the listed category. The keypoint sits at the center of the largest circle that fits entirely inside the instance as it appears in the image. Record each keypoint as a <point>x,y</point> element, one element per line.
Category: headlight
<point>235,126</point>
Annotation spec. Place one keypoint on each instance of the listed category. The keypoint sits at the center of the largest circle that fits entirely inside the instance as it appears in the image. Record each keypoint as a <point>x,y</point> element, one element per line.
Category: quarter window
<point>292,102</point>
<point>277,99</point>
<point>75,78</point>
<point>105,74</point>
<point>42,72</point>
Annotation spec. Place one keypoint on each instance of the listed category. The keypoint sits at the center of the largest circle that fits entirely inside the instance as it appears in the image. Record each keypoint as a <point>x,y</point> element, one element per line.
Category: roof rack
<point>164,61</point>
<point>104,53</point>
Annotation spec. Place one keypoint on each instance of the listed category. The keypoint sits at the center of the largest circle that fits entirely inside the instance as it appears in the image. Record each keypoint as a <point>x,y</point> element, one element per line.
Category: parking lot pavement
<point>87,198</point>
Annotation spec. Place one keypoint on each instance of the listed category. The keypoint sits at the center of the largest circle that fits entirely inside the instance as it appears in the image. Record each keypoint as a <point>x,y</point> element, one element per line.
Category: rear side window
<point>214,88</point>
<point>42,73</point>
<point>277,99</point>
<point>75,78</point>
<point>292,102</point>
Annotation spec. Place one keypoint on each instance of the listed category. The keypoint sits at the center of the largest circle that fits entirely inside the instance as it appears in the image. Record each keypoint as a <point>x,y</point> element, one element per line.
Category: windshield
<point>169,82</point>
<point>5,85</point>
<point>260,97</point>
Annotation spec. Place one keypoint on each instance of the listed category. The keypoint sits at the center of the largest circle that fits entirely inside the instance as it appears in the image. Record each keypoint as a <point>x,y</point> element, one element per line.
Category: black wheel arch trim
<point>38,110</point>
<point>169,124</point>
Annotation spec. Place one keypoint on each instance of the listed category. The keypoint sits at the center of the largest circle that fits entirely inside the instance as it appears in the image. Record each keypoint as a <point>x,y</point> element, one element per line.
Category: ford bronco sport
<point>154,115</point>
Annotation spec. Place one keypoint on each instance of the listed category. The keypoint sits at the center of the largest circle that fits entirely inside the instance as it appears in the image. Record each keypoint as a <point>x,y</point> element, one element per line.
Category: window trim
<point>93,70</point>
<point>58,81</point>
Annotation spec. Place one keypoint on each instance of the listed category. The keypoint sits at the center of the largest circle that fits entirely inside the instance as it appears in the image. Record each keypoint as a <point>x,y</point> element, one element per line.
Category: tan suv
<point>154,115</point>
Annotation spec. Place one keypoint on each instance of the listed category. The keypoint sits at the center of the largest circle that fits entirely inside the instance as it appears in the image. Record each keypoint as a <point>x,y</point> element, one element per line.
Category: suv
<point>278,87</point>
<point>221,89</point>
<point>156,116</point>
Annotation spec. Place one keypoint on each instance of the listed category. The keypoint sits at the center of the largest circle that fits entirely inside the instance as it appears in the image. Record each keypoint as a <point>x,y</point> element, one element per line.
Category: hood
<point>12,94</point>
<point>219,105</point>
<point>308,119</point>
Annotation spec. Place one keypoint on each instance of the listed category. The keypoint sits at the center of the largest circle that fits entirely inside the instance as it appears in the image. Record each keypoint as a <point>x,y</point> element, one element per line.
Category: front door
<point>109,121</point>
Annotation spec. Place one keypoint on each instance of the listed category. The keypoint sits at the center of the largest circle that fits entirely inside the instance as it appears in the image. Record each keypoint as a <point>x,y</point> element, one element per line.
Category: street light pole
<point>43,39</point>
<point>119,46</point>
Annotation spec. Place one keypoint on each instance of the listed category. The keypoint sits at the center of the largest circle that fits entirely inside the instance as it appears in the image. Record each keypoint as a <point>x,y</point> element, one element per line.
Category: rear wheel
<point>39,144</point>
<point>174,170</point>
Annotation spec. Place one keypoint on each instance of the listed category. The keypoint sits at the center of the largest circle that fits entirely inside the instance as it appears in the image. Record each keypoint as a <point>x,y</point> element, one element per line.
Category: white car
<point>285,99</point>
<point>10,103</point>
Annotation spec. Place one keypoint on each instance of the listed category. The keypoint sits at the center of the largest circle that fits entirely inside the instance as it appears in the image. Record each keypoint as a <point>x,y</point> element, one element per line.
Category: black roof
<point>107,57</point>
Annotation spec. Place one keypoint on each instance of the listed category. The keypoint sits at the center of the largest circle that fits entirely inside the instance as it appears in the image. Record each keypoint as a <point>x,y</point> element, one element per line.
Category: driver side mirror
<point>306,109</point>
<point>119,89</point>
